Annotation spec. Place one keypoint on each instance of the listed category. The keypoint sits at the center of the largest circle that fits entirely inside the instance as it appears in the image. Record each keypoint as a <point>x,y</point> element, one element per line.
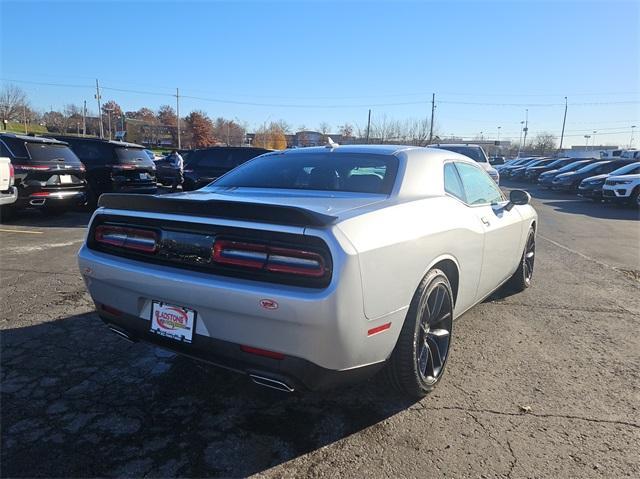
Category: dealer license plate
<point>65,179</point>
<point>174,322</point>
<point>143,176</point>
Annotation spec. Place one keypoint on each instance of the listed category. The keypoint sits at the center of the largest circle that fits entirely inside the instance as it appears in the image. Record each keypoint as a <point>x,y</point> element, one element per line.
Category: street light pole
<point>593,143</point>
<point>586,143</point>
<point>109,110</point>
<point>526,129</point>
<point>631,139</point>
<point>520,140</point>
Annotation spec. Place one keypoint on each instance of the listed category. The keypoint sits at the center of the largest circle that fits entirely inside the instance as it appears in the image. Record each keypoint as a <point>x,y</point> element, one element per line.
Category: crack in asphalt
<point>533,414</point>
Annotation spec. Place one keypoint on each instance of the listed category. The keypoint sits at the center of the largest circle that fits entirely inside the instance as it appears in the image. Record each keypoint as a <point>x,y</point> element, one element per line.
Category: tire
<point>633,199</point>
<point>416,364</point>
<point>521,279</point>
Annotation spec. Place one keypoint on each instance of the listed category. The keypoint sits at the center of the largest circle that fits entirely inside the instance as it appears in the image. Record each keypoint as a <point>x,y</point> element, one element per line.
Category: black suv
<point>113,166</point>
<point>48,175</point>
<point>205,165</point>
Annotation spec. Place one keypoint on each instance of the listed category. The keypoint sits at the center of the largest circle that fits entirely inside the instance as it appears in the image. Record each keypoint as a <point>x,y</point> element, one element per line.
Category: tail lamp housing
<point>257,256</point>
<point>133,239</point>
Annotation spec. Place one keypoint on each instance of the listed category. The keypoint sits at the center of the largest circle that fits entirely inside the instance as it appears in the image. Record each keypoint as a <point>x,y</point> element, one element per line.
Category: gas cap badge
<point>268,304</point>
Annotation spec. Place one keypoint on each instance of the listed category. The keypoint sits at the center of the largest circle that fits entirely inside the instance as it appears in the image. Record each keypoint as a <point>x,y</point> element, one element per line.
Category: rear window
<point>475,153</point>
<point>46,152</point>
<point>327,172</point>
<point>131,155</point>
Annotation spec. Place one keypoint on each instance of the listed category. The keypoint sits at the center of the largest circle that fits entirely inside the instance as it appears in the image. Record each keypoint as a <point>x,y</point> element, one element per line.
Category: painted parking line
<point>27,232</point>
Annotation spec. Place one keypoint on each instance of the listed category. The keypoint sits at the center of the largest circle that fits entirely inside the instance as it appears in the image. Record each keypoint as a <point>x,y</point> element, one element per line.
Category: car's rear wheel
<point>521,279</point>
<point>418,361</point>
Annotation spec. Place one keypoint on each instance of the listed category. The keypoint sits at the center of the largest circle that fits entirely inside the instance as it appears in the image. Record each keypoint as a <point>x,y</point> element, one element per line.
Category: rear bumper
<point>325,327</point>
<point>296,373</point>
<point>45,198</point>
<point>9,197</point>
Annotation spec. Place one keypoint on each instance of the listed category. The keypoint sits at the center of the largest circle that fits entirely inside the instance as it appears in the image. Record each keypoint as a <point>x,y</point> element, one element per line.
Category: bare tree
<point>346,130</point>
<point>324,128</point>
<point>13,101</point>
<point>544,143</point>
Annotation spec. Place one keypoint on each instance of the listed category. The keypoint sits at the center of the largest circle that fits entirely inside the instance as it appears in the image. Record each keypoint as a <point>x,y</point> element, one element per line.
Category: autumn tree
<point>271,137</point>
<point>13,101</point>
<point>228,131</point>
<point>113,107</point>
<point>167,116</point>
<point>200,128</point>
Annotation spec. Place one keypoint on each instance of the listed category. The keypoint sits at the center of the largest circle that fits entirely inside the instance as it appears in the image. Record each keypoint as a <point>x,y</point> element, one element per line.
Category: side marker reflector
<point>378,329</point>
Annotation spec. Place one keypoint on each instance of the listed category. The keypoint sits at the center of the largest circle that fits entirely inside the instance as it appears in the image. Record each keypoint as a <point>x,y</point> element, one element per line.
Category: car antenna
<point>331,143</point>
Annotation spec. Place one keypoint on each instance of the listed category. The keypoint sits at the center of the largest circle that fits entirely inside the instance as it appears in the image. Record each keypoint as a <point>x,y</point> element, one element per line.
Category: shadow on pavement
<point>79,401</point>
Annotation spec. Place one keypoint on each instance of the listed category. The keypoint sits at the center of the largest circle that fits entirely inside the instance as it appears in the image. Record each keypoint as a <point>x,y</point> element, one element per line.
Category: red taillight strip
<point>262,352</point>
<point>145,241</point>
<point>378,329</point>
<point>273,259</point>
<point>32,167</point>
<point>39,194</point>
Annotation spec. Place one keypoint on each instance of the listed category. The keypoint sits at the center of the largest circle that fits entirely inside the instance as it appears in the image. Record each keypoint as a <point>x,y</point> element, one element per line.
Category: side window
<point>452,183</point>
<point>479,188</point>
<point>4,151</point>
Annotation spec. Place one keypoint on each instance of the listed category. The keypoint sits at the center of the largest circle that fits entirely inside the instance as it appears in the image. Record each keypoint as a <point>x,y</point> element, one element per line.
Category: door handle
<point>485,221</point>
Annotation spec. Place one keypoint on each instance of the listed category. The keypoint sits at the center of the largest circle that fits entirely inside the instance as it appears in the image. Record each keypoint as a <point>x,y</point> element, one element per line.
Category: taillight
<point>32,167</point>
<point>145,241</point>
<point>270,258</point>
<point>12,174</point>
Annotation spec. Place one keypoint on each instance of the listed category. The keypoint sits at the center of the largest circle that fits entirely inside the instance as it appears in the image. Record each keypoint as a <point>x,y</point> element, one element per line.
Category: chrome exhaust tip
<point>271,383</point>
<point>122,334</point>
<point>37,202</point>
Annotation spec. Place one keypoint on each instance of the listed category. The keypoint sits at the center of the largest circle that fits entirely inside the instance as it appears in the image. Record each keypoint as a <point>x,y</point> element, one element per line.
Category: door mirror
<point>517,197</point>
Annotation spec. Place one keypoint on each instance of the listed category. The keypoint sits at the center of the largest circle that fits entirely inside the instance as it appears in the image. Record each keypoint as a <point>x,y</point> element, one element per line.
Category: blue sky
<point>316,62</point>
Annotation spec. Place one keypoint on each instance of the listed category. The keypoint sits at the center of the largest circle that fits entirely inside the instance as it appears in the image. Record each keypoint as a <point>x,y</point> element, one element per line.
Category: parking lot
<point>544,383</point>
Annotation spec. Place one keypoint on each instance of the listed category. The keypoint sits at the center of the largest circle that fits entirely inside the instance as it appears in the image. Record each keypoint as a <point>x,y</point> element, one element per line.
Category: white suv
<point>623,188</point>
<point>8,192</point>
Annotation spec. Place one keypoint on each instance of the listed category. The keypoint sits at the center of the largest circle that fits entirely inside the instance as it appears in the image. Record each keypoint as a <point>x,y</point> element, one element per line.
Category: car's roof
<point>32,139</point>
<point>123,144</point>
<point>370,149</point>
<point>437,145</point>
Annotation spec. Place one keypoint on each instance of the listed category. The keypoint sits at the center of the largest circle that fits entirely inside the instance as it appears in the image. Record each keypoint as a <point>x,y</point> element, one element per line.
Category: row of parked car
<point>59,173</point>
<point>614,180</point>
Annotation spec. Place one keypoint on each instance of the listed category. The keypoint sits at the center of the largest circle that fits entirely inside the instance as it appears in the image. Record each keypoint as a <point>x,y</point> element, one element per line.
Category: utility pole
<point>433,108</point>
<point>178,115</point>
<point>24,118</point>
<point>526,129</point>
<point>368,126</point>
<point>84,119</point>
<point>99,109</point>
<point>564,121</point>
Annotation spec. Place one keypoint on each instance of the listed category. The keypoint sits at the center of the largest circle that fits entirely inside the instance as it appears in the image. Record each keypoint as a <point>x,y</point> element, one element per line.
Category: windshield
<point>632,169</point>
<point>590,167</point>
<point>46,152</point>
<point>474,152</point>
<point>131,155</point>
<point>572,166</point>
<point>331,172</point>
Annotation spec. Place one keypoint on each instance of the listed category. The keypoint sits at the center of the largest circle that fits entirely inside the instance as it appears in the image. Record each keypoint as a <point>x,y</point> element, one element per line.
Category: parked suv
<point>205,165</point>
<point>113,166</point>
<point>570,181</point>
<point>48,175</point>
<point>476,153</point>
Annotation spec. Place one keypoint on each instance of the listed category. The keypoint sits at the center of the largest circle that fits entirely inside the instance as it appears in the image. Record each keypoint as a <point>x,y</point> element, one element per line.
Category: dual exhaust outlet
<point>256,378</point>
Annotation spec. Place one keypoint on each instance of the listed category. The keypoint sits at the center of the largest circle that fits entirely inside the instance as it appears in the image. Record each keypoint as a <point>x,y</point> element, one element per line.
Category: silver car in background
<point>476,153</point>
<point>312,267</point>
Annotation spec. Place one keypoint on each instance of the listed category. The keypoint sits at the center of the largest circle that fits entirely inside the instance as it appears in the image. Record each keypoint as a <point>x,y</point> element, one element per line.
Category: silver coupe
<point>311,267</point>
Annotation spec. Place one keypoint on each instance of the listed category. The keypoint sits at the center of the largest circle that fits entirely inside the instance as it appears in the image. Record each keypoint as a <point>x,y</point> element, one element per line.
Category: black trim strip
<point>259,212</point>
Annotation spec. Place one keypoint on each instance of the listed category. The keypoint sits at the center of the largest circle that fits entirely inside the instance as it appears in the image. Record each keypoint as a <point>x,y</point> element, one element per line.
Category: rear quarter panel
<point>398,245</point>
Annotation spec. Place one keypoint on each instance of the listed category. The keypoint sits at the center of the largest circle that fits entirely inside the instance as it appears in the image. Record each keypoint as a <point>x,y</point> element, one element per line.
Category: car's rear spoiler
<point>260,212</point>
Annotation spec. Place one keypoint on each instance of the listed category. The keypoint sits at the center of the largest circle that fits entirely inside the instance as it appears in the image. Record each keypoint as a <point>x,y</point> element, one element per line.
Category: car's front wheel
<point>418,361</point>
<point>521,279</point>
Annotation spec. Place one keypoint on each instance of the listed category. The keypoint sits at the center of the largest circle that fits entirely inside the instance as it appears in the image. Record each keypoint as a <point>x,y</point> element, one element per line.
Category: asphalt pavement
<point>544,383</point>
